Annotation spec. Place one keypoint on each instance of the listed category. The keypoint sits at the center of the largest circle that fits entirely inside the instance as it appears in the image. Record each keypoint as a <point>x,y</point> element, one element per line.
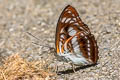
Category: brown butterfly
<point>74,42</point>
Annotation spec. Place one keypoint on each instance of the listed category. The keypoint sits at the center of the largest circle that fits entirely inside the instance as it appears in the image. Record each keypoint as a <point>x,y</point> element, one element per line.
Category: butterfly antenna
<point>44,46</point>
<point>32,35</point>
<point>51,48</point>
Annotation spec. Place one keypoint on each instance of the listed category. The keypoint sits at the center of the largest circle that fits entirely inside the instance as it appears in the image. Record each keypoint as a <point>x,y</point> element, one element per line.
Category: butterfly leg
<point>64,66</point>
<point>73,67</point>
<point>56,69</point>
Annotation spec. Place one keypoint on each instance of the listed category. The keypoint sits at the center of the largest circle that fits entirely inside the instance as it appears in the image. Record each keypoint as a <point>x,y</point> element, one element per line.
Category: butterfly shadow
<point>76,69</point>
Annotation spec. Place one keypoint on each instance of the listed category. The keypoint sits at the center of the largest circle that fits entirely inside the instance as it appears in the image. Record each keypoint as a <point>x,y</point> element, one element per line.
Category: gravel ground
<point>39,17</point>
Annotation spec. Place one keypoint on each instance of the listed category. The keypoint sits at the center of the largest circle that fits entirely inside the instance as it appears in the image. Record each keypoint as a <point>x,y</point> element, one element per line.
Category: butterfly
<point>74,42</point>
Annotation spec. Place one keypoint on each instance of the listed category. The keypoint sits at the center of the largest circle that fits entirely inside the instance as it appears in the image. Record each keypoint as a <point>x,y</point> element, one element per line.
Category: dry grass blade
<point>16,68</point>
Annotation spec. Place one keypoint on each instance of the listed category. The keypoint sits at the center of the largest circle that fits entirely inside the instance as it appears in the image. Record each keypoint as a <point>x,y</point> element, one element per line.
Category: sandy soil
<point>39,17</point>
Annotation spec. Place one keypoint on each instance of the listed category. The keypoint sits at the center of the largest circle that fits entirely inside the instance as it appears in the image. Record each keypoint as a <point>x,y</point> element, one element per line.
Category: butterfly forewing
<point>74,36</point>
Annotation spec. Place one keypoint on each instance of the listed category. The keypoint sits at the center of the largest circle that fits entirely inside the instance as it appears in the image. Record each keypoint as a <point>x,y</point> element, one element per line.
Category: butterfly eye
<point>74,41</point>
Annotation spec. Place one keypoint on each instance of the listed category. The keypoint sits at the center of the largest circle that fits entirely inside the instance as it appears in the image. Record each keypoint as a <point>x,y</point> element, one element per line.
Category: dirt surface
<point>39,17</point>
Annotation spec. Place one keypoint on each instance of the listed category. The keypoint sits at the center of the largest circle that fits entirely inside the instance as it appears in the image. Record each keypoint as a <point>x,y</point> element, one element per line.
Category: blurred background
<point>39,17</point>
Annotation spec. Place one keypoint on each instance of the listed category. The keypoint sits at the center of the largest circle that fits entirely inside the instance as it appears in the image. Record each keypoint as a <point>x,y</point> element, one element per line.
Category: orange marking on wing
<point>68,41</point>
<point>57,49</point>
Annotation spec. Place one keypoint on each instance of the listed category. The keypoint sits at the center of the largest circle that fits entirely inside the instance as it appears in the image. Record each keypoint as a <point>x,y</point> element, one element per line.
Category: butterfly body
<point>74,42</point>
